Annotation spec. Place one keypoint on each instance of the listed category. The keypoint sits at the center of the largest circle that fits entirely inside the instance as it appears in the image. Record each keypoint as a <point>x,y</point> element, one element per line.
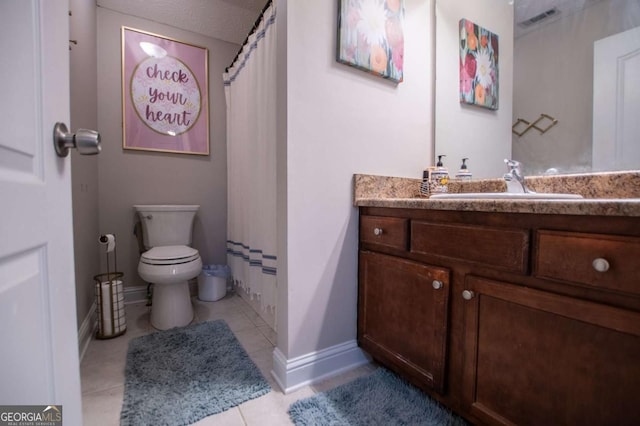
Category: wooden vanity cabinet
<point>528,331</point>
<point>402,316</point>
<point>537,358</point>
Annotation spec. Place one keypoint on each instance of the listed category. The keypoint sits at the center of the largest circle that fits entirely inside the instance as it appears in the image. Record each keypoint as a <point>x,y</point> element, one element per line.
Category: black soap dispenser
<point>464,173</point>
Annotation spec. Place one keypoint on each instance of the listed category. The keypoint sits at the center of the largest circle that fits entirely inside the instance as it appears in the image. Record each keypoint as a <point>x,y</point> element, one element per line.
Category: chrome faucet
<point>515,178</point>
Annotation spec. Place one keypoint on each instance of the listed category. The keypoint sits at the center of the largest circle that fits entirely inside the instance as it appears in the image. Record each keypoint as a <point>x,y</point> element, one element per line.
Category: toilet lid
<point>167,255</point>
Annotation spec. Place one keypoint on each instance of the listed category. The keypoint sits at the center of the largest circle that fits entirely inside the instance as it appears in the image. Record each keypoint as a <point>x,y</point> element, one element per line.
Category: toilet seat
<point>169,255</point>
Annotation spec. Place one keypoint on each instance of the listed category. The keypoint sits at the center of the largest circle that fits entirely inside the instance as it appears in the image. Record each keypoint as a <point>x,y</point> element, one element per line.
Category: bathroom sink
<point>506,196</point>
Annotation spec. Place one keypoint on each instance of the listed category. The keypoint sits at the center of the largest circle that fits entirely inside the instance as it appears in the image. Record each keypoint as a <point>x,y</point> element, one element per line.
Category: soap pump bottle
<point>463,173</point>
<point>439,177</point>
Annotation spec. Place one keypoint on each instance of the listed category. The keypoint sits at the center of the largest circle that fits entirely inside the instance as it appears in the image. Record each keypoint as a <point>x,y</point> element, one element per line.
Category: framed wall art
<point>165,94</point>
<point>371,36</point>
<point>478,65</point>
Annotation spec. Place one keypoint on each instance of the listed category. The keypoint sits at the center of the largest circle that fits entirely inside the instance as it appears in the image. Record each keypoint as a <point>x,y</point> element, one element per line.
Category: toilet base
<point>171,306</point>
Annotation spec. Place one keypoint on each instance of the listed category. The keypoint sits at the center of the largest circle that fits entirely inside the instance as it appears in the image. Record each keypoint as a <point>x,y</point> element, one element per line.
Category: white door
<point>39,344</point>
<point>616,102</point>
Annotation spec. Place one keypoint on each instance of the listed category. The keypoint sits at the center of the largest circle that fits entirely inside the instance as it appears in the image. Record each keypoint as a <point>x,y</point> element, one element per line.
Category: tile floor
<point>102,368</point>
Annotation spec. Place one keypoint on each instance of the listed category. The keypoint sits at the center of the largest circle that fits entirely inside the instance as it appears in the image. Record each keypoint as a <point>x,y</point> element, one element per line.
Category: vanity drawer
<point>575,257</point>
<point>387,231</point>
<point>502,248</point>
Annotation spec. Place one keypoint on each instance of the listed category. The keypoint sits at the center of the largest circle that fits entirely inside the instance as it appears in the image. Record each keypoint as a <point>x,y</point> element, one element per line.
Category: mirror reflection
<point>578,62</point>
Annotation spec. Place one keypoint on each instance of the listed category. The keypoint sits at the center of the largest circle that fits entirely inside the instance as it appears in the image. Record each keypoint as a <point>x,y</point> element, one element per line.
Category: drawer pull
<point>377,231</point>
<point>437,284</point>
<point>468,294</point>
<point>600,264</point>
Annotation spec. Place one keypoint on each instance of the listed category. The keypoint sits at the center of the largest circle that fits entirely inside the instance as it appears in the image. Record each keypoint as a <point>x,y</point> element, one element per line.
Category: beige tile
<point>340,379</point>
<point>231,417</point>
<point>103,364</point>
<point>137,315</point>
<point>255,318</point>
<point>238,322</point>
<point>252,340</point>
<point>235,320</point>
<point>102,408</point>
<point>269,334</point>
<point>271,409</point>
<point>263,359</point>
<point>245,304</point>
<point>226,304</point>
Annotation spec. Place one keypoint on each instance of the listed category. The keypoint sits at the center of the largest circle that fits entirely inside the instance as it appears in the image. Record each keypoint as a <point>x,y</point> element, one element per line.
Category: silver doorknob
<point>377,231</point>
<point>437,284</point>
<point>87,142</point>
<point>468,294</point>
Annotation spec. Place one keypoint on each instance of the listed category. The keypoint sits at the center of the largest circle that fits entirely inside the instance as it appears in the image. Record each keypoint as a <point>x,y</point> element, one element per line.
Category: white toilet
<point>169,262</point>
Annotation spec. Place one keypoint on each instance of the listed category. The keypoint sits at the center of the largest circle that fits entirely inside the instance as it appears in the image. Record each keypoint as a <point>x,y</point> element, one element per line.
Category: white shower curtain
<point>250,90</point>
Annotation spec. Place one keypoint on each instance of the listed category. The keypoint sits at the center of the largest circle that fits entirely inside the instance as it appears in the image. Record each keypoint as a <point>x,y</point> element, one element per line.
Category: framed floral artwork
<point>478,65</point>
<point>165,99</point>
<point>371,37</point>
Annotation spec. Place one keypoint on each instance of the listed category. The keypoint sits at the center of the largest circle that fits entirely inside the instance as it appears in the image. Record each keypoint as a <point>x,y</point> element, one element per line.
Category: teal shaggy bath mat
<point>182,375</point>
<point>382,398</point>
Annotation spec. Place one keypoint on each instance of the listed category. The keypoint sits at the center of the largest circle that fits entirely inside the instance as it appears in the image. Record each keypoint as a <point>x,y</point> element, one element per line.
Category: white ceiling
<point>231,20</point>
<point>228,20</point>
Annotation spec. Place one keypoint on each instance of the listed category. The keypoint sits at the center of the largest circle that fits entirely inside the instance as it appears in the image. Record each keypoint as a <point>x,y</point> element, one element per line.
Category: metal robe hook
<point>534,125</point>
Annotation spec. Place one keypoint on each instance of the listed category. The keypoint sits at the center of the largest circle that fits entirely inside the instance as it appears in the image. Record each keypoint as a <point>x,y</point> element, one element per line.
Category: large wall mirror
<point>575,61</point>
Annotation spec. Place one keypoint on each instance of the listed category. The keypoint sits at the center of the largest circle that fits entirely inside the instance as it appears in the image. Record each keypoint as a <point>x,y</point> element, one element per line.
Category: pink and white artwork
<point>165,94</point>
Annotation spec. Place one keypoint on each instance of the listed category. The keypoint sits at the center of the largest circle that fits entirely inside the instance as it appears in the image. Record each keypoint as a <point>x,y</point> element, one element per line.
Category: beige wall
<point>136,177</point>
<point>84,169</point>
<point>337,121</point>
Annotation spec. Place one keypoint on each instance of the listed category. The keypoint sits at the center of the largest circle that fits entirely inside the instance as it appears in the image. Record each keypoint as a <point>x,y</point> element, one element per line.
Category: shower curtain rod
<point>253,30</point>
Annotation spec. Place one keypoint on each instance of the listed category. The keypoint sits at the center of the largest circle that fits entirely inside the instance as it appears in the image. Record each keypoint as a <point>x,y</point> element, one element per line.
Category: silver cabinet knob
<point>468,295</point>
<point>377,231</point>
<point>600,264</point>
<point>87,142</point>
<point>437,284</point>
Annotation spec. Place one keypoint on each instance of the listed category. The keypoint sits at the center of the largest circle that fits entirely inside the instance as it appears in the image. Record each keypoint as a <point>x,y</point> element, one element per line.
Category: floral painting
<point>371,38</point>
<point>478,65</point>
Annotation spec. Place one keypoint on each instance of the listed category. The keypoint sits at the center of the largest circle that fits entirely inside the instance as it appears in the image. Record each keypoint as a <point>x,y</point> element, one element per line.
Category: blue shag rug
<point>182,375</point>
<point>382,398</point>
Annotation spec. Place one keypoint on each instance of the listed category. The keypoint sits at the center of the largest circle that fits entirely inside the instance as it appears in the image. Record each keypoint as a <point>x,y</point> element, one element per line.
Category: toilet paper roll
<point>109,241</point>
<point>112,294</point>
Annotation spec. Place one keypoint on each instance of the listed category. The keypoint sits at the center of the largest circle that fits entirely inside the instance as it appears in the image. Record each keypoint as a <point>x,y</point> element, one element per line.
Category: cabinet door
<point>536,358</point>
<point>402,316</point>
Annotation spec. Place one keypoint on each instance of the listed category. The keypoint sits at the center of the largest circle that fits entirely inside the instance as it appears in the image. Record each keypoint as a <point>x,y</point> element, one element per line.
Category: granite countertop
<point>605,194</point>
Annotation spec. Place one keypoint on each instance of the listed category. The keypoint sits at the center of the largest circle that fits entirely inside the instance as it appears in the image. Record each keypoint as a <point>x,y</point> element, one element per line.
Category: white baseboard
<point>86,330</point>
<point>292,374</point>
<point>135,294</point>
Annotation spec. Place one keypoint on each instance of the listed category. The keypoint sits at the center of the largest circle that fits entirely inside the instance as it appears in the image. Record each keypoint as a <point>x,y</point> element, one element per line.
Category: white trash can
<point>212,282</point>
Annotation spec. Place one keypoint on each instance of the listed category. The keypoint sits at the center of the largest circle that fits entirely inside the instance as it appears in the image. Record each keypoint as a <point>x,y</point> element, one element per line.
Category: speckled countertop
<point>605,194</point>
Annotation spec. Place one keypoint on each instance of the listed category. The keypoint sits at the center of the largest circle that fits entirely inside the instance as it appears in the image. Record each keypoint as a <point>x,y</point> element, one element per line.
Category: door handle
<point>87,142</point>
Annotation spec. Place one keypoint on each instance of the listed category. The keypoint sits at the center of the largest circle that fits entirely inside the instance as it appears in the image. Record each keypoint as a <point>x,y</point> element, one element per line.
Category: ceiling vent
<point>539,18</point>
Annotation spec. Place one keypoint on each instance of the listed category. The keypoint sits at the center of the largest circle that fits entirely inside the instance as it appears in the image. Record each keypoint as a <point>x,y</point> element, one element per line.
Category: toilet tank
<point>166,224</point>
